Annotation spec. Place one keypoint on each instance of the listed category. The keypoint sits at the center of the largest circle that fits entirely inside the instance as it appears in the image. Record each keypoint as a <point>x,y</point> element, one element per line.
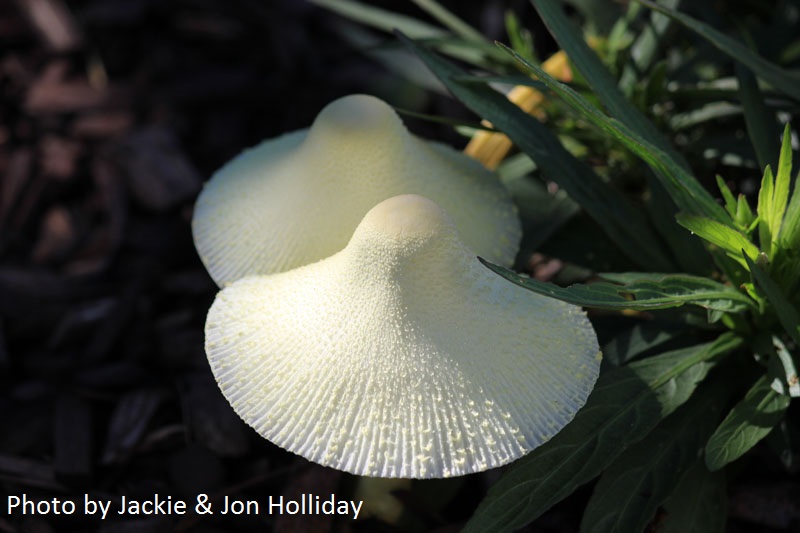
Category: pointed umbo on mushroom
<point>296,199</point>
<point>401,355</point>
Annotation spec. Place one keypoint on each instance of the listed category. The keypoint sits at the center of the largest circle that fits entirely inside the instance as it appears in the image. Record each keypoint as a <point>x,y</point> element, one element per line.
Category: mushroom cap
<point>297,199</point>
<point>401,355</point>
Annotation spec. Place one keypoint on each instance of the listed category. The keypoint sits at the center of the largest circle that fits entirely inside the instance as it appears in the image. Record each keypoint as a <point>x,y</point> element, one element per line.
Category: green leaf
<point>782,183</point>
<point>447,121</point>
<point>382,19</point>
<point>698,504</point>
<point>759,120</point>
<point>602,82</point>
<point>774,205</point>
<point>711,112</point>
<point>471,51</point>
<point>747,423</point>
<point>648,41</point>
<point>727,238</point>
<point>635,341</point>
<point>450,20</point>
<point>764,209</point>
<point>639,291</point>
<point>788,315</point>
<point>661,209</point>
<point>684,189</point>
<point>727,195</point>
<point>744,218</point>
<point>625,405</point>
<point>790,229</point>
<point>518,166</point>
<point>631,489</point>
<point>782,80</point>
<point>620,38</point>
<point>626,226</point>
<point>520,38</point>
<point>737,208</point>
<point>503,79</point>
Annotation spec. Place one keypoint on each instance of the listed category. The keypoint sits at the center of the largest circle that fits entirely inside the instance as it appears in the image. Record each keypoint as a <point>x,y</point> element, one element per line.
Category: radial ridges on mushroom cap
<point>443,371</point>
<point>296,199</point>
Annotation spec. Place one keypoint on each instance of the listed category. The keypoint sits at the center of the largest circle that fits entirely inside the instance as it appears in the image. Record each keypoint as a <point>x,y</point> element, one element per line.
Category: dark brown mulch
<point>112,114</point>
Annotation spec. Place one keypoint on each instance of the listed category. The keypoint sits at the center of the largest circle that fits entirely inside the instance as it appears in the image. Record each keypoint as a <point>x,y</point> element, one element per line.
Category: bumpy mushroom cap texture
<point>401,355</point>
<point>297,199</point>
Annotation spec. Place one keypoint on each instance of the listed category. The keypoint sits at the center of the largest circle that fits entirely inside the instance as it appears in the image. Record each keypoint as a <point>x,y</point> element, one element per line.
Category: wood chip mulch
<point>112,115</point>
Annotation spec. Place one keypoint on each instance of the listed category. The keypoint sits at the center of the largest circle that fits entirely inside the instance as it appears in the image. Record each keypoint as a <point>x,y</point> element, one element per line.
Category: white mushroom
<point>401,355</point>
<point>297,199</point>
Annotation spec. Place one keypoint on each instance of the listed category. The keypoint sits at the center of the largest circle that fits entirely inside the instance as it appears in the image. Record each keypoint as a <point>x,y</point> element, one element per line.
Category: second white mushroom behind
<point>401,355</point>
<point>296,199</point>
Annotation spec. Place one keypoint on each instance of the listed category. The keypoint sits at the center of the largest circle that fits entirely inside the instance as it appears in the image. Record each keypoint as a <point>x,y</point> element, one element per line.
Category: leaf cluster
<point>711,255</point>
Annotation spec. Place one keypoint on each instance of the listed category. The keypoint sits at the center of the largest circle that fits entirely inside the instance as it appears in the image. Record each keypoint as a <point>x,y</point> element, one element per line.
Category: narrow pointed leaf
<point>759,120</point>
<point>602,82</point>
<point>645,49</point>
<point>626,226</point>
<point>504,79</point>
<point>624,406</point>
<point>727,195</point>
<point>727,238</point>
<point>764,209</point>
<point>382,19</point>
<point>780,197</point>
<point>684,189</point>
<point>789,236</point>
<point>472,52</point>
<point>781,79</point>
<point>520,38</point>
<point>790,229</point>
<point>450,20</point>
<point>744,215</point>
<point>788,315</point>
<point>639,291</point>
<point>439,119</point>
<point>749,422</point>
